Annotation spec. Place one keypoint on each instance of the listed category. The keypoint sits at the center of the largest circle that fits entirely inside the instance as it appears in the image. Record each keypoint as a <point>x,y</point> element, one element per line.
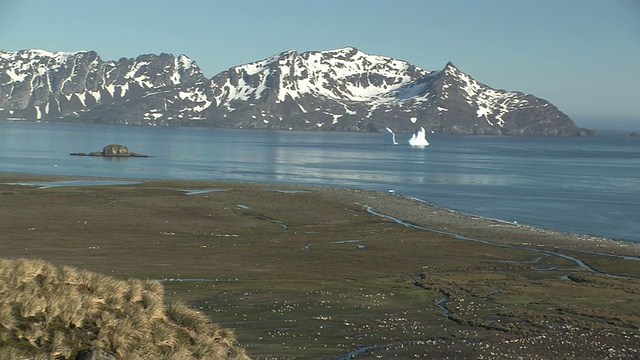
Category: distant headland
<point>334,90</point>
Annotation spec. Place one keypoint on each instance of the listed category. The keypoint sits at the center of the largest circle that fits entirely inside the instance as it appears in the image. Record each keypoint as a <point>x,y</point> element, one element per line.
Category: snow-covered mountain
<point>336,90</point>
<point>40,85</point>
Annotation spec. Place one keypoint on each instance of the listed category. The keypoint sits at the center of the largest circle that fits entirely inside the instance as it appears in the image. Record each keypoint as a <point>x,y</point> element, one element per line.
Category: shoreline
<point>307,271</point>
<point>475,227</point>
<point>410,210</point>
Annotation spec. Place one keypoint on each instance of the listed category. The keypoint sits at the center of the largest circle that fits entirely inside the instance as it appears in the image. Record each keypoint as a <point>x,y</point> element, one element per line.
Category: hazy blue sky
<point>583,56</point>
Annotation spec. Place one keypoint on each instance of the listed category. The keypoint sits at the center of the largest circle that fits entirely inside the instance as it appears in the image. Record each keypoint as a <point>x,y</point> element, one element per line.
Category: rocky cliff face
<point>39,85</point>
<point>336,90</point>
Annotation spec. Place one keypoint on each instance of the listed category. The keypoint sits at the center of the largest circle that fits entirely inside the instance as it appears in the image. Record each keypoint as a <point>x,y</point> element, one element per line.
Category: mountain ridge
<point>343,89</point>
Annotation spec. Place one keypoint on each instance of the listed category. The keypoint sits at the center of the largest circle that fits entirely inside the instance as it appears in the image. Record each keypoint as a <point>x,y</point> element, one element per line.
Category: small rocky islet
<point>111,150</point>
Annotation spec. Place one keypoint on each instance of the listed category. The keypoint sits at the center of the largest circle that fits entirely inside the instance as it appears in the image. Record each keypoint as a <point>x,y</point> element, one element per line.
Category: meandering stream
<point>541,251</point>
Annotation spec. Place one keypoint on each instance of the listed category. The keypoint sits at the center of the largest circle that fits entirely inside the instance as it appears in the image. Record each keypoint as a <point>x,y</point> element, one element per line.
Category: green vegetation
<point>308,275</point>
<point>52,312</point>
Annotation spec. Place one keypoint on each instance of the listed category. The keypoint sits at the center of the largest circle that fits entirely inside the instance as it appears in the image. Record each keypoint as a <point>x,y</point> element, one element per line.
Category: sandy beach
<point>317,272</point>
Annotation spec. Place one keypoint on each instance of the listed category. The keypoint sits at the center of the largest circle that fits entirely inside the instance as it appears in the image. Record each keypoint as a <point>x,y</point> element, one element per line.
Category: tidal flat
<point>305,272</point>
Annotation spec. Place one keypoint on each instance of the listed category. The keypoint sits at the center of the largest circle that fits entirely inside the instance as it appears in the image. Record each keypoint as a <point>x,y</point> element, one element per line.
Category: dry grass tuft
<point>187,318</point>
<point>50,312</point>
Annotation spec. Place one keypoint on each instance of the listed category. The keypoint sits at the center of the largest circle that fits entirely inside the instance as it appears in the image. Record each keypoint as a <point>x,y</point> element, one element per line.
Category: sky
<point>582,56</point>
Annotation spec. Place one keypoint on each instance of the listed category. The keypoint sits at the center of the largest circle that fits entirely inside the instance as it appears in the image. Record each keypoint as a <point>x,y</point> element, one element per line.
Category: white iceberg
<point>419,138</point>
<point>390,137</point>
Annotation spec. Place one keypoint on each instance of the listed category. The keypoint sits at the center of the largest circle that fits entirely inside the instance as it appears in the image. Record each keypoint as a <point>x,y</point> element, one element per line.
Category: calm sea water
<point>581,185</point>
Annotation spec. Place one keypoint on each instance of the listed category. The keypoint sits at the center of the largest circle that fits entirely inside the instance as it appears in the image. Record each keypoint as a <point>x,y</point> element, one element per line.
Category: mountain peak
<point>451,69</point>
<point>344,53</point>
<point>339,90</point>
<point>288,53</point>
<point>33,54</point>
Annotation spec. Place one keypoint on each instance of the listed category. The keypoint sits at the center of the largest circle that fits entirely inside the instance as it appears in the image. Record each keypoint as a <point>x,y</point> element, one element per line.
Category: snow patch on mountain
<point>342,89</point>
<point>197,97</point>
<point>342,74</point>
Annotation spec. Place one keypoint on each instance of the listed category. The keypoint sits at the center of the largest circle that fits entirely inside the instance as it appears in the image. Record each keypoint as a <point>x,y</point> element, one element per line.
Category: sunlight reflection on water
<point>582,185</point>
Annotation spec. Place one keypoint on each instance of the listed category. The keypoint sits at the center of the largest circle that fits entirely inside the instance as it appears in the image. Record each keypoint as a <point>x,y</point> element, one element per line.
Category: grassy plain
<point>319,273</point>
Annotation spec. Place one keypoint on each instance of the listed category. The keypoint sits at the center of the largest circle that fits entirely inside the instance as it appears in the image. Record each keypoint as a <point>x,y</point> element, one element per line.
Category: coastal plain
<point>308,272</point>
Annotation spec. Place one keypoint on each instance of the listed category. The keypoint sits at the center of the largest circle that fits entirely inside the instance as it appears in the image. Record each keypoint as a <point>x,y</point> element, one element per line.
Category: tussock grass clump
<point>52,312</point>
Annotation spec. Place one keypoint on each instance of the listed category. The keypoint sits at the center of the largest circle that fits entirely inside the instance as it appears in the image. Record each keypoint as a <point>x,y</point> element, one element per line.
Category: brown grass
<point>336,280</point>
<point>54,312</point>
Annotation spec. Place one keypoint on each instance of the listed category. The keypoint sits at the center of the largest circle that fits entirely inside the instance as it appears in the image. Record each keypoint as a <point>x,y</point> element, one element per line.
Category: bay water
<point>587,185</point>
